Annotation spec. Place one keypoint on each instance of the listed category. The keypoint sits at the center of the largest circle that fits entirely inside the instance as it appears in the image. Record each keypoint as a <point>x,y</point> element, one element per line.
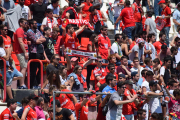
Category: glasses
<point>58,59</point>
<point>112,68</point>
<point>100,61</point>
<point>105,29</point>
<point>124,87</point>
<point>35,23</point>
<point>5,29</point>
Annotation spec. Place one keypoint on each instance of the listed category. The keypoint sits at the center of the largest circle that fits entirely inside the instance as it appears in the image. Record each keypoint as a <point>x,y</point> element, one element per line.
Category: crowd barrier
<point>4,62</point>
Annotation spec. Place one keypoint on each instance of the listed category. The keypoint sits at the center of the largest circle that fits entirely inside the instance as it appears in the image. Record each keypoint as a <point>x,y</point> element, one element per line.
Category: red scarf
<point>50,24</point>
<point>69,8</point>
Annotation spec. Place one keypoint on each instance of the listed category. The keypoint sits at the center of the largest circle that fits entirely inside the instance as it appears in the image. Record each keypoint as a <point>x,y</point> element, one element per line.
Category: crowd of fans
<point>138,75</point>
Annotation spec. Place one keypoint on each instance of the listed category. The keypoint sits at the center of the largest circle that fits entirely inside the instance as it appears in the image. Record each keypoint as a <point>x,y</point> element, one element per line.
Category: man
<point>38,10</point>
<point>97,19</point>
<point>165,71</point>
<point>121,77</point>
<point>178,46</point>
<point>36,38</point>
<point>111,68</point>
<point>174,51</point>
<point>158,44</point>
<point>116,48</point>
<point>7,113</point>
<point>148,62</point>
<point>104,44</point>
<point>141,114</point>
<point>26,13</point>
<point>156,67</point>
<point>165,51</point>
<point>123,68</point>
<point>49,21</point>
<point>172,86</point>
<point>138,13</point>
<point>21,49</point>
<point>150,24</point>
<point>116,102</point>
<point>127,17</point>
<point>155,116</point>
<point>55,7</point>
<point>151,39</point>
<point>176,17</point>
<point>136,68</point>
<point>138,50</point>
<point>135,78</point>
<point>166,14</point>
<point>7,4</point>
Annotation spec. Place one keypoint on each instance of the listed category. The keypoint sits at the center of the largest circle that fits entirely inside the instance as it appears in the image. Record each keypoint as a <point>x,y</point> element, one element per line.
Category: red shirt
<point>132,45</point>
<point>83,110</point>
<point>6,115</point>
<point>104,45</point>
<point>71,41</point>
<point>65,100</point>
<point>72,68</point>
<point>158,45</point>
<point>100,116</point>
<point>85,10</point>
<point>166,11</point>
<point>128,108</point>
<point>99,72</point>
<point>59,42</point>
<point>137,12</point>
<point>81,81</point>
<point>127,15</point>
<point>7,41</point>
<point>20,34</point>
<point>31,115</point>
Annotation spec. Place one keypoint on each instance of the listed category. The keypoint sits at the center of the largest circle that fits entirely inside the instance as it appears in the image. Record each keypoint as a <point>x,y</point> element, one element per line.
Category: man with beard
<point>36,50</point>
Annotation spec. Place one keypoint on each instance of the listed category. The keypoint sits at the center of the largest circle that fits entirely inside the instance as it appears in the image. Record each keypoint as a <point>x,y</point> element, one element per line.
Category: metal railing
<point>4,62</point>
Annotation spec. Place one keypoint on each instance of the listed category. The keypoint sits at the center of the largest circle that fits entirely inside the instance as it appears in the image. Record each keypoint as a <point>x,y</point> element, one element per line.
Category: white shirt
<point>25,11</point>
<point>2,54</point>
<point>162,70</point>
<point>117,8</point>
<point>133,69</point>
<point>114,49</point>
<point>55,10</point>
<point>177,56</point>
<point>50,25</point>
<point>146,84</point>
<point>62,80</point>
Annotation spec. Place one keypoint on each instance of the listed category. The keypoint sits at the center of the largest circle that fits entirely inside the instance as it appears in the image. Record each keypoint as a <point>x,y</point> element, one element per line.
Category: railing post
<point>4,62</point>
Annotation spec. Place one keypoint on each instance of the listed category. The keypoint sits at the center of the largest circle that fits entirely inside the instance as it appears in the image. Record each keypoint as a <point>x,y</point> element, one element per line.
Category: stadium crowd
<point>138,73</point>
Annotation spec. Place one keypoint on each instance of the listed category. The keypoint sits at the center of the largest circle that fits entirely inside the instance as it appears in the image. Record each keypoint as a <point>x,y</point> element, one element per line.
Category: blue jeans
<point>129,117</point>
<point>10,75</point>
<point>115,18</point>
<point>166,31</point>
<point>138,28</point>
<point>128,31</point>
<point>157,8</point>
<point>147,6</point>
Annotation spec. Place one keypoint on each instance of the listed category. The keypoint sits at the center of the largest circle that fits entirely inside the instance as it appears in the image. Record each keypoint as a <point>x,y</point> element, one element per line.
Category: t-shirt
<point>20,112</point>
<point>25,11</point>
<point>166,74</point>
<point>104,45</point>
<point>146,85</point>
<point>40,113</point>
<point>174,106</point>
<point>64,114</point>
<point>176,16</point>
<point>72,16</point>
<point>152,48</point>
<point>152,26</point>
<point>158,45</point>
<point>133,69</point>
<point>38,12</point>
<point>65,100</point>
<point>50,22</point>
<point>166,11</point>
<point>120,69</point>
<point>55,10</point>
<point>117,8</point>
<point>116,49</point>
<point>71,41</point>
<point>50,68</point>
<point>31,115</point>
<point>49,47</point>
<point>155,104</point>
<point>127,15</point>
<point>8,5</point>
<point>82,112</point>
<point>7,41</point>
<point>114,111</point>
<point>1,13</point>
<point>59,42</point>
<point>6,115</point>
<point>20,34</point>
<point>136,49</point>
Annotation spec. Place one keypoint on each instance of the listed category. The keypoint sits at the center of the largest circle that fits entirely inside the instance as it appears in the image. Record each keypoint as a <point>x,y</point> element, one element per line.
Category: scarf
<point>69,8</point>
<point>119,51</point>
<point>50,24</point>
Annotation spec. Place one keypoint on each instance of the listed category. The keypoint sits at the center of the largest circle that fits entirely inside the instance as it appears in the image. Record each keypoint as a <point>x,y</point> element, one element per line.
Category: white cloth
<point>153,55</point>
<point>114,49</point>
<point>117,8</point>
<point>25,11</point>
<point>146,84</point>
<point>177,56</point>
<point>55,10</point>
<point>45,22</point>
<point>133,69</point>
<point>136,49</point>
<point>62,80</point>
<point>162,70</point>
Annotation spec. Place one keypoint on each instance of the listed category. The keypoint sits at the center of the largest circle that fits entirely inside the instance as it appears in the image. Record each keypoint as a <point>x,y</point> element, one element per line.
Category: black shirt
<point>64,114</point>
<point>1,13</point>
<point>72,16</point>
<point>50,68</point>
<point>173,65</point>
<point>49,47</point>
<point>38,12</point>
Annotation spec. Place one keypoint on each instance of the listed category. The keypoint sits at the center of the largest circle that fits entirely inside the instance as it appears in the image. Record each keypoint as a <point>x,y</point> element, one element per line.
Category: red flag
<point>160,23</point>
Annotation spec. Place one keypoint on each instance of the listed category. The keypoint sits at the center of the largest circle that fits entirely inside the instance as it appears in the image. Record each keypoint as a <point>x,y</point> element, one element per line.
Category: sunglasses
<point>35,23</point>
<point>57,59</point>
<point>100,61</point>
<point>112,68</point>
<point>124,87</point>
<point>105,29</point>
<point>5,29</point>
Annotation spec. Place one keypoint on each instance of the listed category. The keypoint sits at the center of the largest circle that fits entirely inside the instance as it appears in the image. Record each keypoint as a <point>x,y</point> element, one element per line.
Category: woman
<point>62,74</point>
<point>85,9</point>
<point>52,80</point>
<point>124,46</point>
<point>39,109</point>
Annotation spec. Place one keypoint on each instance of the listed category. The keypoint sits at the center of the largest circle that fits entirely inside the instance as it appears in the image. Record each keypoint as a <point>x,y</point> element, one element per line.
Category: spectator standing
<point>135,78</point>
<point>38,12</point>
<point>7,4</point>
<point>55,7</point>
<point>141,114</point>
<point>36,38</point>
<point>2,18</point>
<point>166,14</point>
<point>178,46</point>
<point>165,51</point>
<point>127,17</point>
<point>39,109</point>
<point>26,13</point>
<point>85,9</point>
<point>21,48</point>
<point>174,51</point>
<point>157,8</point>
<point>136,68</point>
<point>104,44</point>
<point>151,40</point>
<point>176,17</point>
<point>138,13</point>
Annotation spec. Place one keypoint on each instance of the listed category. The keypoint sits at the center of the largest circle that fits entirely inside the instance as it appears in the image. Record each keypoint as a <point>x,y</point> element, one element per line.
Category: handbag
<point>105,109</point>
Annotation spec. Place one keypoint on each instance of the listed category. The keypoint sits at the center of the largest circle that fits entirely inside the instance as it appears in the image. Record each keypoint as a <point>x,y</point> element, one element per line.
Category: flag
<point>160,23</point>
<point>122,117</point>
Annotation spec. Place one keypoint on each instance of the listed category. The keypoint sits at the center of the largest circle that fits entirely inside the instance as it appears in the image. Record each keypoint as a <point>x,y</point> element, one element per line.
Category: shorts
<point>23,62</point>
<point>10,75</point>
<point>128,31</point>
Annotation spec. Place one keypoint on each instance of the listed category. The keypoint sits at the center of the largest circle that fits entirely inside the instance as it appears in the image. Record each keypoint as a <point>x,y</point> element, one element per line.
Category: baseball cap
<point>33,96</point>
<point>130,82</point>
<point>162,1</point>
<point>139,40</point>
<point>121,75</point>
<point>151,83</point>
<point>74,58</point>
<point>46,28</point>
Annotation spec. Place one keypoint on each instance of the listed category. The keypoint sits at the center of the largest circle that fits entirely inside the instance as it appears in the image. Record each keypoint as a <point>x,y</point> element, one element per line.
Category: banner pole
<point>54,110</point>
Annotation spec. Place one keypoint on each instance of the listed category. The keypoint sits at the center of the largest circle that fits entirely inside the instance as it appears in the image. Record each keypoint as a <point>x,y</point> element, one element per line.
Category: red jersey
<point>85,10</point>
<point>158,45</point>
<point>104,45</point>
<point>97,17</point>
<point>166,11</point>
<point>6,115</point>
<point>143,23</point>
<point>137,12</point>
<point>65,100</point>
<point>128,108</point>
<point>20,34</point>
<point>84,111</point>
<point>59,42</point>
<point>100,116</point>
<point>132,45</point>
<point>127,15</point>
<point>107,70</point>
<point>71,41</point>
<point>82,82</point>
<point>99,72</point>
<point>7,41</point>
<point>31,115</point>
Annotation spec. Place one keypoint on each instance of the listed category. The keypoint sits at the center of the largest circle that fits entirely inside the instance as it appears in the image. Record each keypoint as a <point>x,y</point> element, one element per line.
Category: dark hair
<point>155,116</point>
<point>156,60</point>
<point>71,3</point>
<point>1,40</point>
<point>50,109</point>
<point>161,34</point>
<point>178,64</point>
<point>149,73</point>
<point>120,84</point>
<point>176,39</point>
<point>57,103</point>
<point>136,58</point>
<point>124,36</point>
<point>135,36</point>
<point>11,101</point>
<point>147,60</point>
<point>69,26</point>
<point>24,101</point>
<point>54,1</point>
<point>150,36</point>
<point>103,27</point>
<point>127,3</point>
<point>110,65</point>
<point>117,36</point>
<point>143,72</point>
<point>49,10</point>
<point>173,75</point>
<point>78,9</point>
<point>173,49</point>
<point>2,27</point>
<point>91,9</point>
<point>31,22</point>
<point>53,57</point>
<point>140,111</point>
<point>40,99</point>
<point>149,13</point>
<point>123,57</point>
<point>133,74</point>
<point>61,68</point>
<point>171,82</point>
<point>56,82</point>
<point>76,69</point>
<point>94,45</point>
<point>167,58</point>
<point>163,47</point>
<point>109,78</point>
<point>176,92</point>
<point>21,20</point>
